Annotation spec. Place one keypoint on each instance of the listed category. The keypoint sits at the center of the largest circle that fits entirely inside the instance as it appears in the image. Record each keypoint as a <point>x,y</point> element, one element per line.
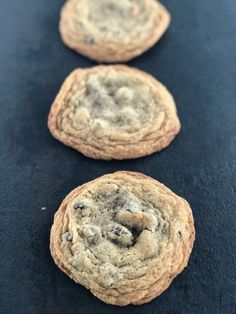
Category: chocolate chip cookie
<point>124,236</point>
<point>111,30</point>
<point>114,112</point>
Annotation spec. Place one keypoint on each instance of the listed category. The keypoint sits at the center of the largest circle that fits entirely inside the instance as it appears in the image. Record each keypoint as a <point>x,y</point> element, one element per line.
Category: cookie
<point>123,236</point>
<point>111,30</point>
<point>114,112</point>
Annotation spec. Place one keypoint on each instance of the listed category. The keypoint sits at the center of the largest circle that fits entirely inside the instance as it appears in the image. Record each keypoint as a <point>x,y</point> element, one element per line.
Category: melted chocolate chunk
<point>136,233</point>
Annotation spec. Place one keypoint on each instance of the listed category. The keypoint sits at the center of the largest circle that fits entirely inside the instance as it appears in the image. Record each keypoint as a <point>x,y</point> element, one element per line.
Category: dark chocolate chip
<point>180,234</point>
<point>79,205</point>
<point>128,209</point>
<point>135,233</point>
<point>120,202</point>
<point>158,224</point>
<point>92,240</point>
<point>117,231</point>
<point>68,236</point>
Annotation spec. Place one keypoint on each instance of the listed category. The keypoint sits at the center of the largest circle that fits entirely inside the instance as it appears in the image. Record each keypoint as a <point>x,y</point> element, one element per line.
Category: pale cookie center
<point>116,16</point>
<point>115,216</point>
<point>114,102</point>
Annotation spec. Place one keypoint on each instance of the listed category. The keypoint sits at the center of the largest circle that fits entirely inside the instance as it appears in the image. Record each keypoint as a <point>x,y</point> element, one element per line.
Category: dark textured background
<point>197,61</point>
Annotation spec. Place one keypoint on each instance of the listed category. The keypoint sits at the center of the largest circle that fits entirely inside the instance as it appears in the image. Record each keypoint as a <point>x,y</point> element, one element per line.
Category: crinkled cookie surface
<point>124,236</point>
<point>114,112</point>
<point>111,30</point>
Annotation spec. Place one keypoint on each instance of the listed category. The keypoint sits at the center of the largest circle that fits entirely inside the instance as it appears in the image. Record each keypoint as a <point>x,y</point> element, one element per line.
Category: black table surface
<point>196,60</point>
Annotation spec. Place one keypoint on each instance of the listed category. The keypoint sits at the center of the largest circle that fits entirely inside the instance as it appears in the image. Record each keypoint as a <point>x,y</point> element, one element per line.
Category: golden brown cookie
<point>111,30</point>
<point>124,236</point>
<point>114,112</point>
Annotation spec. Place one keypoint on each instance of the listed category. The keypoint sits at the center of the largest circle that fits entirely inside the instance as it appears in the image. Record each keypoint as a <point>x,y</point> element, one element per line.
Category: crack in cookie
<point>124,236</point>
<point>114,112</point>
<point>111,30</point>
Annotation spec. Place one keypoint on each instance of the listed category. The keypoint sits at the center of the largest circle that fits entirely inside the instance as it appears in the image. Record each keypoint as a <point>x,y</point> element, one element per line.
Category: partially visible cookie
<point>112,30</point>
<point>113,112</point>
<point>124,236</point>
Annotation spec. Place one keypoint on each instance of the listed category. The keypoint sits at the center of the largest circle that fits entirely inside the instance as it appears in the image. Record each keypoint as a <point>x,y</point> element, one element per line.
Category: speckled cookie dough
<point>114,112</point>
<point>123,236</point>
<point>111,30</point>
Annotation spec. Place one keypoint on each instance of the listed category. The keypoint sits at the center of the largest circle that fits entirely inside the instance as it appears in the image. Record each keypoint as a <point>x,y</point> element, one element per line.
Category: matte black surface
<point>197,61</point>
